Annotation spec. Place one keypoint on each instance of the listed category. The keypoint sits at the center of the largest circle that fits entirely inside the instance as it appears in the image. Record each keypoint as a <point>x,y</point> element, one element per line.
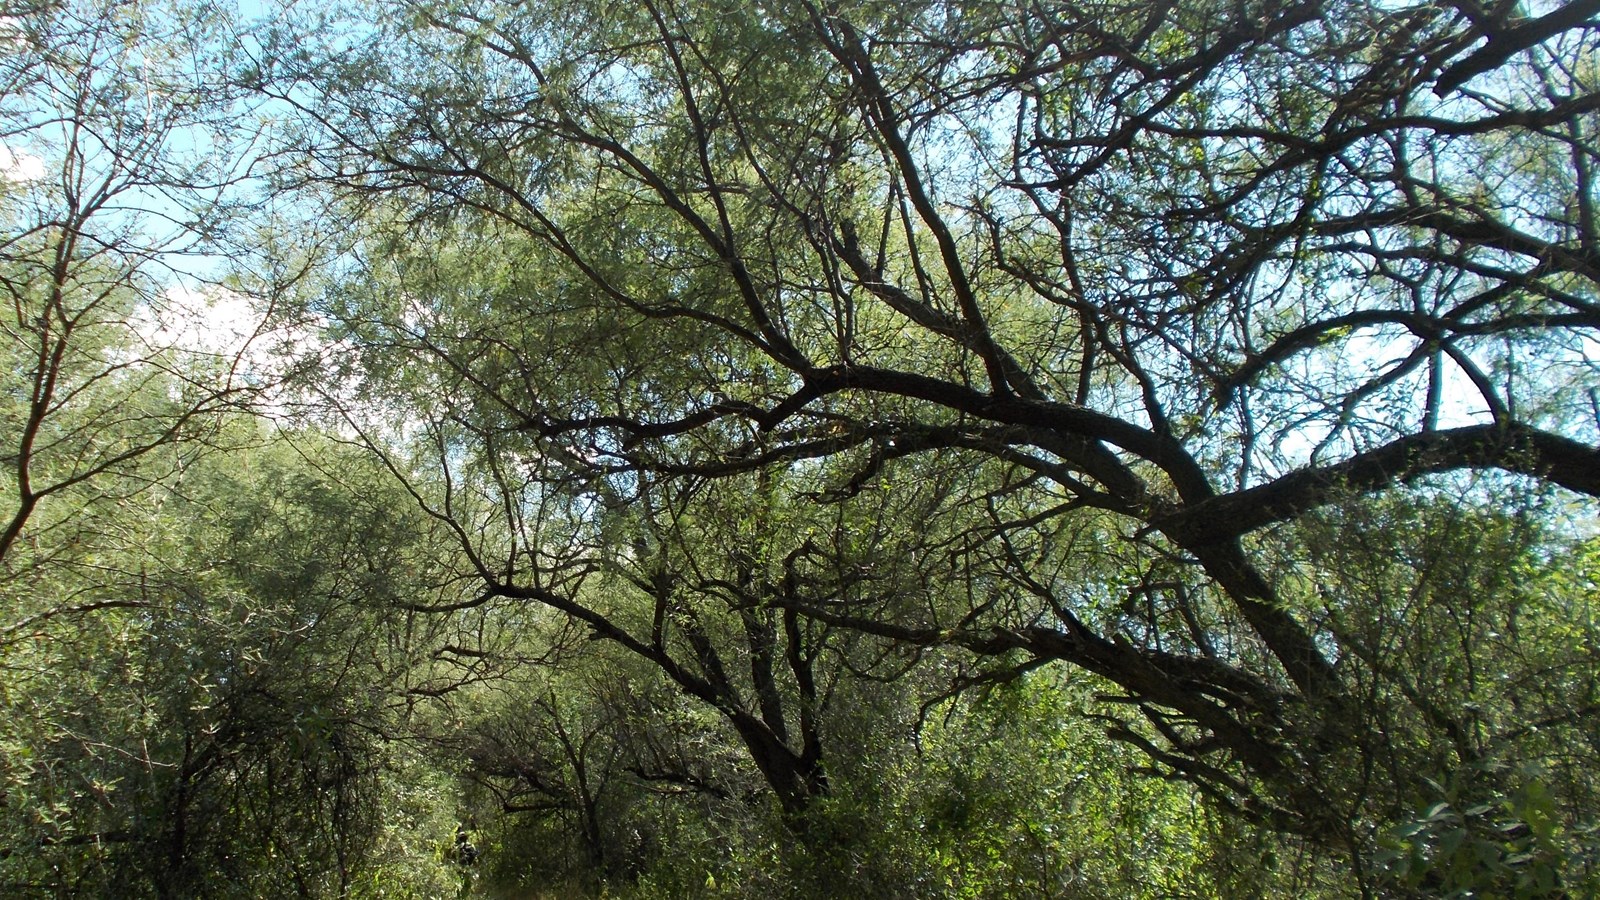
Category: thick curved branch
<point>1506,43</point>
<point>1510,447</point>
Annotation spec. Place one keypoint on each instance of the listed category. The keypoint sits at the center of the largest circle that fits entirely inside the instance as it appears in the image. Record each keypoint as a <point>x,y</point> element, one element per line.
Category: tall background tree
<point>201,687</point>
<point>124,148</point>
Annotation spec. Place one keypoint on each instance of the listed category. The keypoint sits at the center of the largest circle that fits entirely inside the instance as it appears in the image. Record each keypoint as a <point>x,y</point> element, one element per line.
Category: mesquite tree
<point>1167,280</point>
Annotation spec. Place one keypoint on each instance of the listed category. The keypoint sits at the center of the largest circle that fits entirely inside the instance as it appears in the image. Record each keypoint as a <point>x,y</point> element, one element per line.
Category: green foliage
<point>926,449</point>
<point>227,734</point>
<point>1508,843</point>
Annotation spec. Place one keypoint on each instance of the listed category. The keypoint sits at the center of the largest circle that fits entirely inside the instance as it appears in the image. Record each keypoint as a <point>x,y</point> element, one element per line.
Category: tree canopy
<point>776,396</point>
